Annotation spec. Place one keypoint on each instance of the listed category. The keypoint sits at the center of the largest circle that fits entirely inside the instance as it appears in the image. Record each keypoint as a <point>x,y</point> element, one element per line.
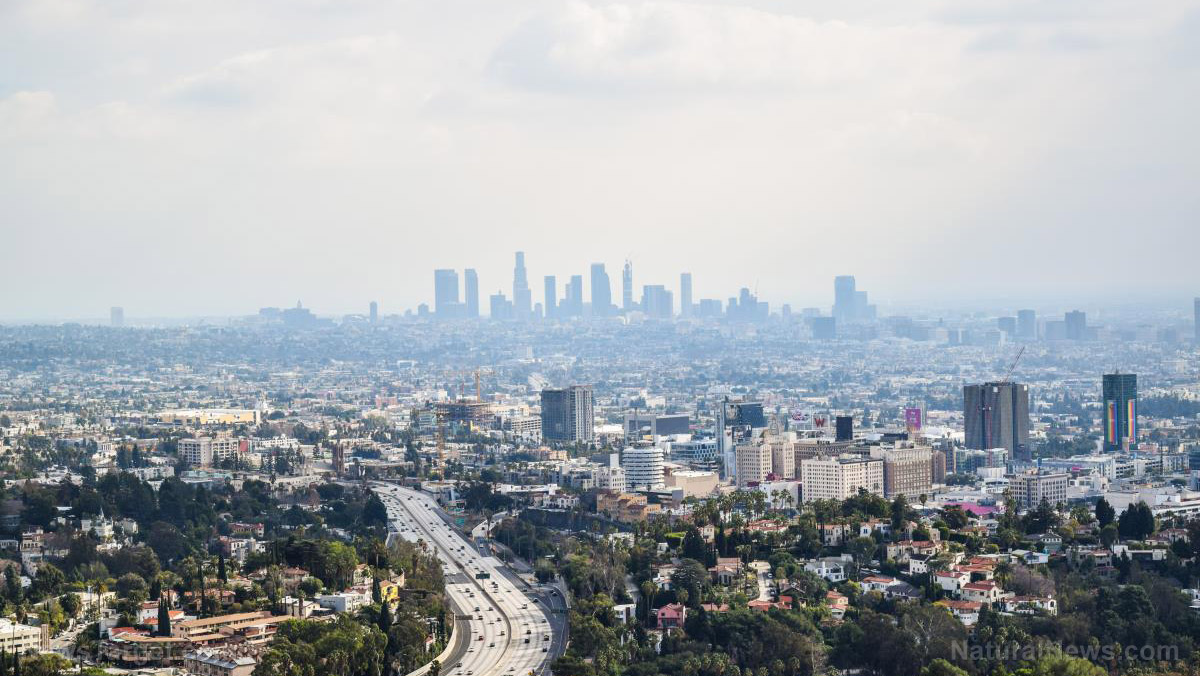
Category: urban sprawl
<point>643,484</point>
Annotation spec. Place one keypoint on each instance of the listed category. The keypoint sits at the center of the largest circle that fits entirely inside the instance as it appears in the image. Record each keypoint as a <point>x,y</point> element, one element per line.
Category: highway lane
<point>509,633</point>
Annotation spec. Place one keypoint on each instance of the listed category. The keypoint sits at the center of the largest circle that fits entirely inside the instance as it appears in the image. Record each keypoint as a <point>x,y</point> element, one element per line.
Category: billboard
<point>913,419</point>
<point>809,420</point>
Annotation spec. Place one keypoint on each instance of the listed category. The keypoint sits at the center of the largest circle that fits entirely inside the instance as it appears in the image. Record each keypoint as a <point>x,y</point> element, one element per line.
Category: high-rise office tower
<point>551,293</point>
<point>1026,324</point>
<point>643,467</point>
<point>1076,325</point>
<point>445,293</point>
<point>1007,326</point>
<point>657,302</point>
<point>501,307</point>
<point>627,286</point>
<point>845,299</point>
<point>374,312</point>
<point>471,292</point>
<point>735,422</point>
<point>1120,411</point>
<point>685,294</point>
<point>574,299</point>
<point>746,307</point>
<point>1196,319</point>
<point>567,414</point>
<point>843,428</point>
<point>116,316</point>
<point>863,310</point>
<point>601,291</point>
<point>522,300</point>
<point>997,416</point>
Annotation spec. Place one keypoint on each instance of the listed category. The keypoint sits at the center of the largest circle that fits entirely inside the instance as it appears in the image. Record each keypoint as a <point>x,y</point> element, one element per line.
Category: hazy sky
<point>182,157</point>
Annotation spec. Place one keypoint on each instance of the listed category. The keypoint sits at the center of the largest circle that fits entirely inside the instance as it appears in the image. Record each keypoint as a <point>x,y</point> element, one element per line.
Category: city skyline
<point>759,145</point>
<point>822,295</point>
<point>472,295</point>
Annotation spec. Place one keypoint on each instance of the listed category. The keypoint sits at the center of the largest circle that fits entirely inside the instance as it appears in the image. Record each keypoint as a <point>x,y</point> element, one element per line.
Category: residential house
<point>984,591</point>
<point>868,528</point>
<point>951,581</point>
<point>835,534</point>
<point>832,569</point>
<point>672,616</point>
<point>837,604</point>
<point>918,564</point>
<point>966,612</point>
<point>784,602</point>
<point>662,576</point>
<point>1028,605</point>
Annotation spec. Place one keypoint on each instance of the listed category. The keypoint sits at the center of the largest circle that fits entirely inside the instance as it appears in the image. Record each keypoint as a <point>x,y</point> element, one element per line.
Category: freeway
<point>507,632</point>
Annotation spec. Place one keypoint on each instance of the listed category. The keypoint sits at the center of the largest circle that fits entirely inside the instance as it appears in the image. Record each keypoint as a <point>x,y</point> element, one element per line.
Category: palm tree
<point>1003,573</point>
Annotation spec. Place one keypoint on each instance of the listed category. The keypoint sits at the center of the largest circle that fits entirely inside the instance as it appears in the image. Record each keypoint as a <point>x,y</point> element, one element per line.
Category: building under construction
<point>477,414</point>
<point>997,416</point>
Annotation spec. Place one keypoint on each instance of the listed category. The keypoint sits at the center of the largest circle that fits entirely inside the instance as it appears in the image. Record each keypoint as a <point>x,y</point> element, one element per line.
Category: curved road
<point>507,632</point>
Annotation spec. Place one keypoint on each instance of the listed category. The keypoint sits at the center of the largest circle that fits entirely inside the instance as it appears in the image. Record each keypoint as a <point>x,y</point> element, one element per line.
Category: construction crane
<point>1013,366</point>
<point>441,441</point>
<point>478,387</point>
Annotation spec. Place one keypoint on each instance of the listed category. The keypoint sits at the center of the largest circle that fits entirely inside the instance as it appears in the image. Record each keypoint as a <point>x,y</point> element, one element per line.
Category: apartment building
<point>907,469</point>
<point>840,477</point>
<point>17,638</point>
<point>754,462</point>
<point>204,451</point>
<point>220,662</point>
<point>1028,489</point>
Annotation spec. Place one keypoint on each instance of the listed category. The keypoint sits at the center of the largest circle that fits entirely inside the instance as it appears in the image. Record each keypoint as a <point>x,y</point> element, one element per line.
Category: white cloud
<point>337,151</point>
<point>26,114</point>
<point>646,46</point>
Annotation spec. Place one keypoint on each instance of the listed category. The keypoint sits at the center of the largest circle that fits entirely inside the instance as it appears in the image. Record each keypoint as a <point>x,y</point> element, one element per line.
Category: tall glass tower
<point>1120,411</point>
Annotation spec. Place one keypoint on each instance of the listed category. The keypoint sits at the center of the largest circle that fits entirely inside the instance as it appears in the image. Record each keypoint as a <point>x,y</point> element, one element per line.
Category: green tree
<point>164,618</point>
<point>343,647</point>
<point>940,667</point>
<point>1105,514</point>
<point>1065,665</point>
<point>1109,535</point>
<point>862,550</point>
<point>1136,522</point>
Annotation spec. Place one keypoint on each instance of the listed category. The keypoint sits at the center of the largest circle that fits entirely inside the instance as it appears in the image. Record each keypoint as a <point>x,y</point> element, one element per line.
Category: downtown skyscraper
<point>445,294</point>
<point>521,299</point>
<point>601,291</point>
<point>685,294</point>
<point>550,303</point>
<point>471,292</point>
<point>850,304</point>
<point>1026,324</point>
<point>627,287</point>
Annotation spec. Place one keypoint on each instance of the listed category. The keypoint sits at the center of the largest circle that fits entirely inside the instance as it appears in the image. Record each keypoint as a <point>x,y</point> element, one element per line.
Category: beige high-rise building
<point>907,469</point>
<point>204,451</point>
<point>783,457</point>
<point>753,462</point>
<point>1029,488</point>
<point>840,477</point>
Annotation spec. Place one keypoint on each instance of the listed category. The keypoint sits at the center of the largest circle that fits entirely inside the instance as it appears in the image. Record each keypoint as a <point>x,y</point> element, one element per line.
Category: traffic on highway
<point>501,630</point>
